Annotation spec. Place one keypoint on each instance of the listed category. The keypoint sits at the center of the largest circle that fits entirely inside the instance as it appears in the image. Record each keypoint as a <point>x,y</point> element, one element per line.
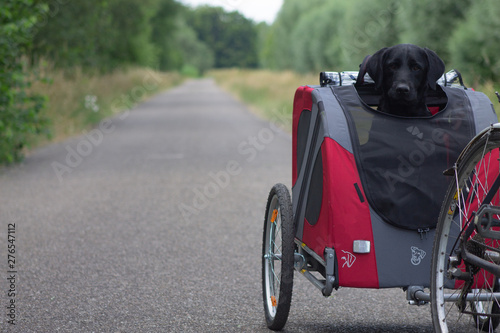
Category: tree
<point>475,44</point>
<point>19,110</point>
<point>278,52</point>
<point>367,26</point>
<point>73,33</point>
<point>195,56</point>
<point>165,25</point>
<point>325,36</point>
<point>316,39</point>
<point>231,36</point>
<point>130,30</point>
<point>102,34</point>
<point>430,23</point>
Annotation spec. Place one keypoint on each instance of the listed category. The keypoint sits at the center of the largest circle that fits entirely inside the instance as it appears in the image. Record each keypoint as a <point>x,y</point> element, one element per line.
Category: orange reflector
<point>275,214</point>
<point>273,301</point>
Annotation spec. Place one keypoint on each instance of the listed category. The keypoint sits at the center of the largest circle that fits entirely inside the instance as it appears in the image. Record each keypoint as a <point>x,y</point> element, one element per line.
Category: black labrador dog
<point>404,72</point>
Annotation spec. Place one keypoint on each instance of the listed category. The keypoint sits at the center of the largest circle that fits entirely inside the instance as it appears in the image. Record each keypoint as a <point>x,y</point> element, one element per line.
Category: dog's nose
<point>402,89</point>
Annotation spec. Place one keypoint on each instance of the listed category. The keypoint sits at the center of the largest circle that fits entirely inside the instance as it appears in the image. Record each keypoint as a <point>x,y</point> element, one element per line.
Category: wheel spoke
<point>278,247</point>
<point>476,184</point>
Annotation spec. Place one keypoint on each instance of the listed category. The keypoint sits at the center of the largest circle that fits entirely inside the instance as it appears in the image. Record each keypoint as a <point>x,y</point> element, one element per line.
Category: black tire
<point>476,172</point>
<point>486,323</point>
<point>278,257</point>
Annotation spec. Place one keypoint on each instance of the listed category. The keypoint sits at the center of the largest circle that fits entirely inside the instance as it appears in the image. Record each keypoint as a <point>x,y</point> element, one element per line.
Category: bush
<point>475,44</point>
<point>19,110</point>
<point>430,23</point>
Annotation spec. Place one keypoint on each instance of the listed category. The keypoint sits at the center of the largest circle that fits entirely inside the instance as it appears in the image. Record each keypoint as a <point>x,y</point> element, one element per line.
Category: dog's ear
<point>374,67</point>
<point>436,68</point>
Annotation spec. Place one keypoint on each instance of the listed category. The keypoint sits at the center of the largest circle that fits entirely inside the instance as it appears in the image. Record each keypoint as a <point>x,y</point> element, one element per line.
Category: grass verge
<point>78,100</point>
<point>269,94</point>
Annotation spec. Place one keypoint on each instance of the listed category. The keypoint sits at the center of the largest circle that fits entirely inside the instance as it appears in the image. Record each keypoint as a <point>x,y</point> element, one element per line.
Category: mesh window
<point>302,132</point>
<point>315,196</point>
<point>401,159</point>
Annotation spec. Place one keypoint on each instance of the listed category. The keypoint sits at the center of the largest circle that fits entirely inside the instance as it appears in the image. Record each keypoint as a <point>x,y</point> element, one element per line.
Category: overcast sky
<point>257,10</point>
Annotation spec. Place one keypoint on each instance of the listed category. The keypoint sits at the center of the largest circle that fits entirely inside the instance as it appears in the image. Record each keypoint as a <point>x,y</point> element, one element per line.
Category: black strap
<point>362,71</point>
<point>459,79</point>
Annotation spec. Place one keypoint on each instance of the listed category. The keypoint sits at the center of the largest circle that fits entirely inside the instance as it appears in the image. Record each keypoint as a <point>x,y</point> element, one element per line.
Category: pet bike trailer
<point>367,188</point>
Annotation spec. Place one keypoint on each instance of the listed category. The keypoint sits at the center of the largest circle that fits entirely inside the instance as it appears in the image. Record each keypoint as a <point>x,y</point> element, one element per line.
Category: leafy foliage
<point>102,34</point>
<point>367,26</point>
<point>195,56</point>
<point>19,110</point>
<point>430,23</point>
<point>164,27</point>
<point>279,43</point>
<point>231,36</point>
<point>475,45</point>
<point>337,35</point>
<point>106,34</point>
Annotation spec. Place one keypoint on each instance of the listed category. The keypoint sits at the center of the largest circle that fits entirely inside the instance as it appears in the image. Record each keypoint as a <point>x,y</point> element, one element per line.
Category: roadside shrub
<point>19,110</point>
<point>475,44</point>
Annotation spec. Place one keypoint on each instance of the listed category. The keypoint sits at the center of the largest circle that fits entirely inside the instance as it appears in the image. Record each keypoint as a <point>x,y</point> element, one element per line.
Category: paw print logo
<point>415,132</point>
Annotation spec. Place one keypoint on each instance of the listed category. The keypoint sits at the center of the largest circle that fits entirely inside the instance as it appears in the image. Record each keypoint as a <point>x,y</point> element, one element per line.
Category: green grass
<point>489,89</point>
<point>269,94</point>
<point>78,100</point>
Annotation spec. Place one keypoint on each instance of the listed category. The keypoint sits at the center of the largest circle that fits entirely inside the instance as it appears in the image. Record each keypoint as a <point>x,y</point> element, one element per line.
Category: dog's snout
<point>403,89</point>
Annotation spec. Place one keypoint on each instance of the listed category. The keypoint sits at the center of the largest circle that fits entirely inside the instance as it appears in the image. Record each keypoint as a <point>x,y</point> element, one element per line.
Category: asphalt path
<point>152,222</point>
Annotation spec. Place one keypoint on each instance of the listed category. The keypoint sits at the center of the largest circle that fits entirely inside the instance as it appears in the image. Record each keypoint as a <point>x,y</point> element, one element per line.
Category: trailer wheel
<point>278,257</point>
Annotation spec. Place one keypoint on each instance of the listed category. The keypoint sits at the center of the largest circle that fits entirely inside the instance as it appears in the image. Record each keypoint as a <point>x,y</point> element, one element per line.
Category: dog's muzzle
<point>403,93</point>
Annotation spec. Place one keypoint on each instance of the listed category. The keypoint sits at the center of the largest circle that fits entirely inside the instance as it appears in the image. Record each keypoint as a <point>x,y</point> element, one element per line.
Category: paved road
<point>152,222</point>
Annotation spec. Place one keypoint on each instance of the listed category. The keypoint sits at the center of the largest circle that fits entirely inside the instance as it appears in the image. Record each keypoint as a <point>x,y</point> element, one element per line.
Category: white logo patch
<point>415,132</point>
<point>417,255</point>
<point>349,259</point>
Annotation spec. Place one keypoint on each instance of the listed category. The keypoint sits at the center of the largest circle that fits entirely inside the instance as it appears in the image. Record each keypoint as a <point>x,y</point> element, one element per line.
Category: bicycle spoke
<point>476,184</point>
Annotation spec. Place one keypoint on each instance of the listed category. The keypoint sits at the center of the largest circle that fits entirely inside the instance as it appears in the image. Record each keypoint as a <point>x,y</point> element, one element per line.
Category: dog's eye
<point>393,67</point>
<point>415,68</point>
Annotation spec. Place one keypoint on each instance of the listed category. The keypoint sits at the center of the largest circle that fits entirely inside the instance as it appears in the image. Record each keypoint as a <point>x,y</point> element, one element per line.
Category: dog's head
<point>404,72</point>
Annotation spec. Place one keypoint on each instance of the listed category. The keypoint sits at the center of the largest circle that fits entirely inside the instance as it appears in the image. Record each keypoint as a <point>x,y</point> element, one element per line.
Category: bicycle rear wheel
<point>463,295</point>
